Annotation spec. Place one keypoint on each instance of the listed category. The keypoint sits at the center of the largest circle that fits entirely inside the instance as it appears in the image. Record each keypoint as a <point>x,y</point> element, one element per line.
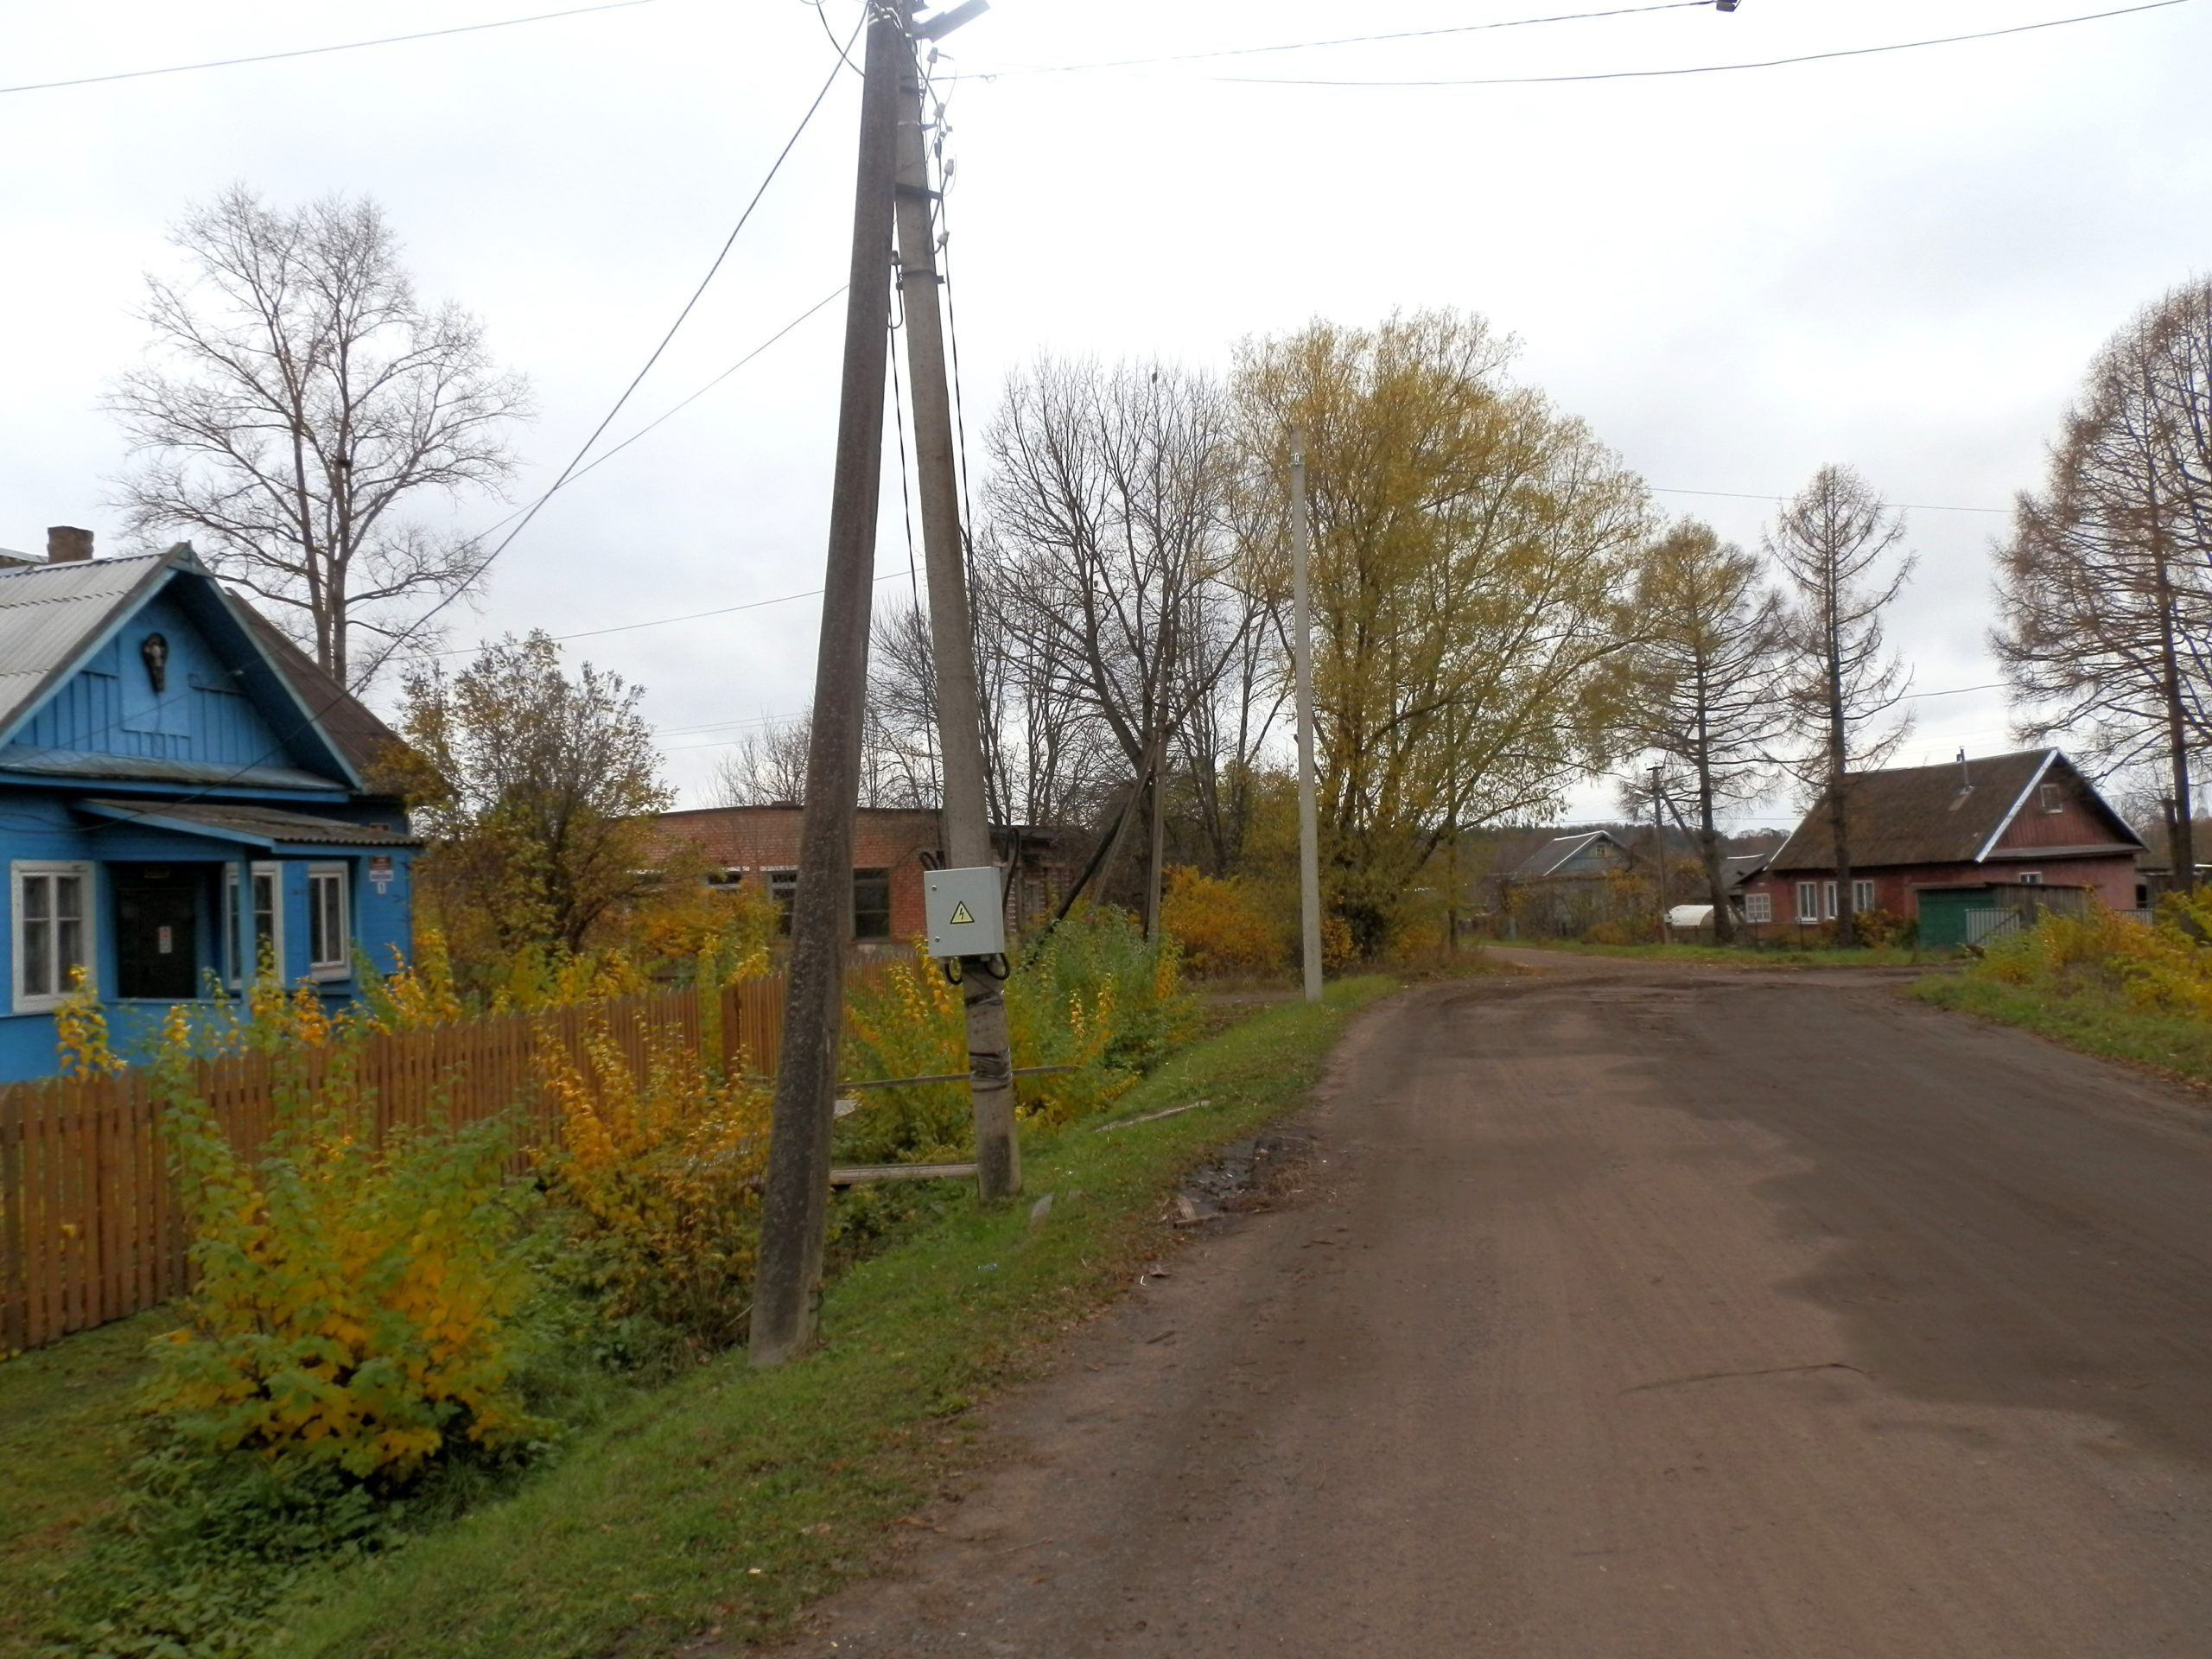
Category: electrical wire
<point>606,420</point>
<point>665,621</point>
<point>1342,40</point>
<point>319,51</point>
<point>1747,495</point>
<point>1709,68</point>
<point>339,691</point>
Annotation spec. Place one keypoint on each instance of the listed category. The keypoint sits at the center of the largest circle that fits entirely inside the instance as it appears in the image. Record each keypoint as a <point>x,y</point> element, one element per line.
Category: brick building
<point>892,847</point>
<point>2027,819</point>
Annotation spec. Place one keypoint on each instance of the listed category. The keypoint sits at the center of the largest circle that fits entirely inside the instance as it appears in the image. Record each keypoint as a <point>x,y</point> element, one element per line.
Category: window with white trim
<point>2053,798</point>
<point>2030,878</point>
<point>1828,901</point>
<point>240,960</point>
<point>53,906</point>
<point>1758,907</point>
<point>330,954</point>
<point>1862,897</point>
<point>1809,901</point>
<point>783,887</point>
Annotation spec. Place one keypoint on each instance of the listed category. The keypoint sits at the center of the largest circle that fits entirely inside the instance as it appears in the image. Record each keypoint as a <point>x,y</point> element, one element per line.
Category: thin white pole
<point>1301,642</point>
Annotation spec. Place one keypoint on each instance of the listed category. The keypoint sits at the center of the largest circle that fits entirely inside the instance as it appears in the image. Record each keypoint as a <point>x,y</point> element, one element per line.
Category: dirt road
<point>1635,1313</point>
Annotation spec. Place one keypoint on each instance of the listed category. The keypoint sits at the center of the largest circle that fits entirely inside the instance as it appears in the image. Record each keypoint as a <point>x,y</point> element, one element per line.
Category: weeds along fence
<point>90,1230</point>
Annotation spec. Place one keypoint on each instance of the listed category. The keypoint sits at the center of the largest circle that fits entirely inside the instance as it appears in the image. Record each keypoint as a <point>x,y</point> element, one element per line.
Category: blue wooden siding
<point>109,708</point>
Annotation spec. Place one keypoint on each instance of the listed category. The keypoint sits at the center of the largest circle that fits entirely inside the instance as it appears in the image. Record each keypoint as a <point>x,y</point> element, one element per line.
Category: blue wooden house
<point>180,788</point>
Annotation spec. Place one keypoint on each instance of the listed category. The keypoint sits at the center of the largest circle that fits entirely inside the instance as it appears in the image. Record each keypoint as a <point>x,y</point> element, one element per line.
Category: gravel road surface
<point>1635,1312</point>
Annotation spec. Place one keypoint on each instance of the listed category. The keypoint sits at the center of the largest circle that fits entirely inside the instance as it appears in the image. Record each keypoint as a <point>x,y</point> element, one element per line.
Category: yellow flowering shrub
<point>81,1033</point>
<point>663,1168</point>
<point>1090,994</point>
<point>2162,966</point>
<point>1221,923</point>
<point>351,1300</point>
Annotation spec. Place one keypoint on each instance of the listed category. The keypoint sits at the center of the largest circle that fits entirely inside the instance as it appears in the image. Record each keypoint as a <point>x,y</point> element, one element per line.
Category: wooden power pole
<point>953,636</point>
<point>795,1201</point>
<point>1301,649</point>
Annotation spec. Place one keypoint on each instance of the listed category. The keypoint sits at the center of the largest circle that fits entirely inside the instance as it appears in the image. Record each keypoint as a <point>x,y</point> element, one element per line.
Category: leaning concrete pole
<point>1302,646</point>
<point>795,1199</point>
<point>952,638</point>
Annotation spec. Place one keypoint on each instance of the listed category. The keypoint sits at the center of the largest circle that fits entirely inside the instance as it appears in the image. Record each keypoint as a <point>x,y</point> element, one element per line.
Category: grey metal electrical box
<point>966,910</point>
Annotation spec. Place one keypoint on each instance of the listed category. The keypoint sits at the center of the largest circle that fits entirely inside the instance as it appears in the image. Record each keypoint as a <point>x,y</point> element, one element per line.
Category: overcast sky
<point>1901,261</point>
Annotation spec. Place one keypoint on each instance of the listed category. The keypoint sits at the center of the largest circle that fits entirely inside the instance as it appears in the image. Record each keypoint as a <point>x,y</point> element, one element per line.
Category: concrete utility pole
<point>795,1200</point>
<point>952,638</point>
<point>1301,648</point>
<point>1659,848</point>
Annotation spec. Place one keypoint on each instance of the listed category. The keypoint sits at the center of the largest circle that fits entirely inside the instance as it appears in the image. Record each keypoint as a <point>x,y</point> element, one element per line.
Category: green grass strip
<point>2094,1022</point>
<point>731,1498</point>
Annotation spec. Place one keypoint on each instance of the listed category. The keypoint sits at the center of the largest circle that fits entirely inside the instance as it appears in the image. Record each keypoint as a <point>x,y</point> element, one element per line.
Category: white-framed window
<point>1758,907</point>
<point>52,907</point>
<point>1809,901</point>
<point>783,887</point>
<point>2053,798</point>
<point>241,960</point>
<point>1828,901</point>
<point>1862,897</point>
<point>2031,878</point>
<point>330,933</point>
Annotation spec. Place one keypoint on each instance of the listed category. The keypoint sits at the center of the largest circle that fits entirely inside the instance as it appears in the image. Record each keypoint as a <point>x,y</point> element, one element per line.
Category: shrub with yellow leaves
<point>351,1299</point>
<point>2162,966</point>
<point>662,1167</point>
<point>1221,923</point>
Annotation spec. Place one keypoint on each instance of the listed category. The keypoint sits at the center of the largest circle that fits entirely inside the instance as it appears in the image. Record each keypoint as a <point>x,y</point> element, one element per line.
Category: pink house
<point>2025,819</point>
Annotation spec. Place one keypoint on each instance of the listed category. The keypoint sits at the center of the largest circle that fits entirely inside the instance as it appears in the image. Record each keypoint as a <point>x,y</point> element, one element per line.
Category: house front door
<point>156,943</point>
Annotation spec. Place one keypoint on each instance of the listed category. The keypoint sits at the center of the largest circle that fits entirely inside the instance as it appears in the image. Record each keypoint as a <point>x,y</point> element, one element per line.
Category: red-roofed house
<point>2027,819</point>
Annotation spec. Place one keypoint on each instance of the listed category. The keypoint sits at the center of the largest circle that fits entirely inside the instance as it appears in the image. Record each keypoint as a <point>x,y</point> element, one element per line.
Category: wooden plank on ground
<point>862,1174</point>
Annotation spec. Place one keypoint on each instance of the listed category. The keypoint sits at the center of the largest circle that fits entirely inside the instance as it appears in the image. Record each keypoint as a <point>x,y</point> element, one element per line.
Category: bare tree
<point>2105,589</point>
<point>1107,506</point>
<point>1704,678</point>
<point>767,768</point>
<point>300,404</point>
<point>1834,543</point>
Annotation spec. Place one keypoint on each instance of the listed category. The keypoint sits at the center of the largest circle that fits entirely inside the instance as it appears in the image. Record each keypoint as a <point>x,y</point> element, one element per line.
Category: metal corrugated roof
<point>268,825</point>
<point>48,611</point>
<point>84,763</point>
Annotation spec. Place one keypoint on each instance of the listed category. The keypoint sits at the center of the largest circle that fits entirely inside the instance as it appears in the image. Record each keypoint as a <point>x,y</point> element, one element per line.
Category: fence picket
<point>90,1226</point>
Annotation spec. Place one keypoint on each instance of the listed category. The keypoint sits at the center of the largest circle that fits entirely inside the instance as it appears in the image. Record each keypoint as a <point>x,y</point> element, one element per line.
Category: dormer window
<point>2053,798</point>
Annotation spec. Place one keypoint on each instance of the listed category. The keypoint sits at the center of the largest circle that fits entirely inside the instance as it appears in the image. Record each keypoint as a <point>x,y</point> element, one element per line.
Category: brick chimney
<point>67,544</point>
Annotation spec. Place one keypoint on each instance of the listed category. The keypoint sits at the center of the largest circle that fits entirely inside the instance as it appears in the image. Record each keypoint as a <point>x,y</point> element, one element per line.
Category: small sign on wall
<point>380,873</point>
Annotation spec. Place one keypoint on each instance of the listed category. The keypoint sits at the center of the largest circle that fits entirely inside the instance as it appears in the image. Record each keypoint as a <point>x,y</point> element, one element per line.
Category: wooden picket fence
<point>90,1230</point>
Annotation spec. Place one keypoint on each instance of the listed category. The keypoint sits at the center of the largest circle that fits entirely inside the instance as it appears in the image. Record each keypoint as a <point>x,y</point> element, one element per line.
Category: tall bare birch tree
<point>302,413</point>
<point>2105,587</point>
<point>1704,678</point>
<point>1838,543</point>
<point>1471,551</point>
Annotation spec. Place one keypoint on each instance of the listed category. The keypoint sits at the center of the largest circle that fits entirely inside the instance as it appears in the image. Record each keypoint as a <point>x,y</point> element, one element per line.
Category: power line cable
<point>606,420</point>
<point>1708,68</point>
<point>319,51</point>
<point>339,692</point>
<point>664,621</point>
<point>1342,40</point>
<point>1747,495</point>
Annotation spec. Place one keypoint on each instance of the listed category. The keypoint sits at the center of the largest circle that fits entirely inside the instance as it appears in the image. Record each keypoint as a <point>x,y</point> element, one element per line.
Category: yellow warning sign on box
<point>965,912</point>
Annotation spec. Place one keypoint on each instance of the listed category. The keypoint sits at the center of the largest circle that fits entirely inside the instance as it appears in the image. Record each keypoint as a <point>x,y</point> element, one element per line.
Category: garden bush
<point>352,1299</point>
<point>1221,923</point>
<point>662,1168</point>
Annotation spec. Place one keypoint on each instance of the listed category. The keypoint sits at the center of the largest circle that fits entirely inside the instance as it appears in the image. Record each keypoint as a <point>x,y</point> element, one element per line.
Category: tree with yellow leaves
<point>1471,549</point>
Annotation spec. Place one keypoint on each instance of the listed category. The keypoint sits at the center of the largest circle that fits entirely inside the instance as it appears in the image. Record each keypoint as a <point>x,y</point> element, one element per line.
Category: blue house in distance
<point>179,784</point>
